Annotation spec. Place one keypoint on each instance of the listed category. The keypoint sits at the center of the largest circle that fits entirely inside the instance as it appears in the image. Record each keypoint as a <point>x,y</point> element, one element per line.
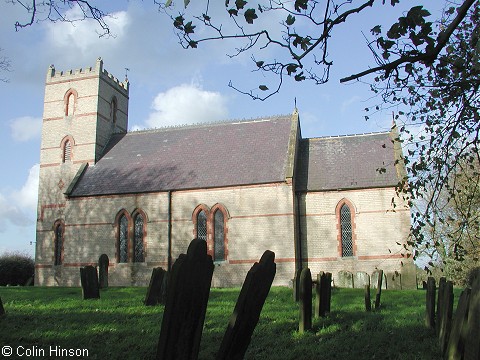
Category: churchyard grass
<point>119,326</point>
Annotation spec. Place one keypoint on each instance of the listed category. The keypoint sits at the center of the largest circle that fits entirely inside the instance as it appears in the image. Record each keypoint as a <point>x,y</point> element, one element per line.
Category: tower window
<point>67,151</point>
<point>70,100</point>
<point>113,110</point>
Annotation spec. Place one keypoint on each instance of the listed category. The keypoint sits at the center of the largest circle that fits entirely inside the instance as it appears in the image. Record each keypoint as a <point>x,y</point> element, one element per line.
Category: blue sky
<point>168,86</point>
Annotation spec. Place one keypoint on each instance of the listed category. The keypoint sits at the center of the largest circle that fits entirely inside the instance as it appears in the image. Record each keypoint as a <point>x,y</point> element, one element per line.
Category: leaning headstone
<point>374,279</point>
<point>186,305</point>
<point>456,341</point>
<point>323,291</point>
<point>378,295</point>
<point>345,279</point>
<point>394,281</point>
<point>305,296</point>
<point>440,296</point>
<point>472,328</point>
<point>248,308</point>
<point>430,303</point>
<point>368,303</point>
<point>89,281</point>
<point>154,290</point>
<point>318,294</point>
<point>361,279</point>
<point>2,310</point>
<point>103,271</point>
<point>446,317</point>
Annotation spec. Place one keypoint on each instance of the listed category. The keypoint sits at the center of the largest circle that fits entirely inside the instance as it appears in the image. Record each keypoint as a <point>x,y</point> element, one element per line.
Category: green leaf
<point>193,44</point>
<point>168,3</point>
<point>263,87</point>
<point>291,68</point>
<point>186,2</point>
<point>377,29</point>
<point>299,77</point>
<point>301,4</point>
<point>206,17</point>
<point>259,63</point>
<point>290,20</point>
<point>233,12</point>
<point>189,28</point>
<point>240,4</point>
<point>250,16</point>
<point>178,22</point>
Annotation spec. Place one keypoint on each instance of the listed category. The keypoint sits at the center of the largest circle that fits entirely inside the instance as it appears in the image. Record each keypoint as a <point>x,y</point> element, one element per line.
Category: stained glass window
<point>219,244</point>
<point>138,239</point>
<point>202,226</point>
<point>58,244</point>
<point>346,230</point>
<point>123,239</point>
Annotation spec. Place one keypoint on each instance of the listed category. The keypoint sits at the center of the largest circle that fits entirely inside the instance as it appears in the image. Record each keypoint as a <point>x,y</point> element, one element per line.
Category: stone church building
<point>243,186</point>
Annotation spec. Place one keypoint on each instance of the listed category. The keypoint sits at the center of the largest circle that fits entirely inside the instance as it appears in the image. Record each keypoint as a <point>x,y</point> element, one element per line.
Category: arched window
<point>67,151</point>
<point>138,251</point>
<point>70,100</point>
<point>346,230</point>
<point>202,225</point>
<point>59,230</point>
<point>219,236</point>
<point>113,110</point>
<point>123,239</point>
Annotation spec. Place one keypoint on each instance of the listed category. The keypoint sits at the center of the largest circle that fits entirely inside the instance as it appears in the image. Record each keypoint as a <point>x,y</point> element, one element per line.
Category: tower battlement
<point>54,75</point>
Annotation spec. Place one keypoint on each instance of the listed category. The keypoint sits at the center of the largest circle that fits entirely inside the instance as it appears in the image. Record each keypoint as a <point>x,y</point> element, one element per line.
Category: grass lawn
<point>119,326</point>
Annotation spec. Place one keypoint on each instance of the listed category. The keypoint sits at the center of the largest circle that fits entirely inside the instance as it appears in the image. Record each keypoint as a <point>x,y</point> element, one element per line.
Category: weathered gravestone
<point>394,281</point>
<point>305,295</point>
<point>296,285</point>
<point>323,290</point>
<point>472,328</point>
<point>379,288</point>
<point>103,271</point>
<point>89,281</point>
<point>345,279</point>
<point>440,295</point>
<point>446,315</point>
<point>248,308</point>
<point>155,287</point>
<point>187,297</point>
<point>368,303</point>
<point>361,279</point>
<point>374,279</point>
<point>430,303</point>
<point>2,310</point>
<point>456,341</point>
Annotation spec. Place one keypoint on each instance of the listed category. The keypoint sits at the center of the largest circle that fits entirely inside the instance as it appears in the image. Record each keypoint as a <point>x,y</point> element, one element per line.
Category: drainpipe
<point>169,235</point>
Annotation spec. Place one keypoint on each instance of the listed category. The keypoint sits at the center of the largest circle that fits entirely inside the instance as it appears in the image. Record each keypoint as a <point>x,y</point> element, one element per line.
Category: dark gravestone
<point>456,341</point>
<point>103,271</point>
<point>89,280</point>
<point>187,297</point>
<point>378,295</point>
<point>323,289</point>
<point>472,328</point>
<point>368,303</point>
<point>430,303</point>
<point>440,295</point>
<point>2,310</point>
<point>446,317</point>
<point>155,287</point>
<point>248,308</point>
<point>305,298</point>
<point>296,285</point>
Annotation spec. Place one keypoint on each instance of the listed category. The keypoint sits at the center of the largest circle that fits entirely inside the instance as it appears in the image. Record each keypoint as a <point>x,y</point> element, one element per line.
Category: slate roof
<point>190,157</point>
<point>346,162</point>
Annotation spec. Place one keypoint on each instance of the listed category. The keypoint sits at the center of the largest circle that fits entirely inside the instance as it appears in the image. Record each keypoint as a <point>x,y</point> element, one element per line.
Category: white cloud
<point>187,104</point>
<point>25,128</point>
<point>27,196</point>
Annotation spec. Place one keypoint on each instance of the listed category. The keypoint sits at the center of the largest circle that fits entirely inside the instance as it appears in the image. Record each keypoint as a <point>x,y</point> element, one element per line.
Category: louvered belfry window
<point>123,239</point>
<point>202,226</point>
<point>138,239</point>
<point>58,244</point>
<point>67,151</point>
<point>219,244</point>
<point>346,231</point>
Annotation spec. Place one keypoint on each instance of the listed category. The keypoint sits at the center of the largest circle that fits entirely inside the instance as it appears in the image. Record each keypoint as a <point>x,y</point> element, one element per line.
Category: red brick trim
<point>43,266</point>
<point>350,205</point>
<point>49,165</point>
<point>49,206</point>
<point>320,259</point>
<point>380,257</point>
<point>72,79</point>
<point>252,261</point>
<point>80,264</point>
<point>260,215</point>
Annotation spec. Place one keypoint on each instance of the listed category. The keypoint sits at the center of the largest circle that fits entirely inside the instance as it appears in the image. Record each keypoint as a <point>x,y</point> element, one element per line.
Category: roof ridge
<point>348,135</point>
<point>210,123</point>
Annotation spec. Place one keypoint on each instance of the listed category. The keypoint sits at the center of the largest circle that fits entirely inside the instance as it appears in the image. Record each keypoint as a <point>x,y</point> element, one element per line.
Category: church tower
<point>83,108</point>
